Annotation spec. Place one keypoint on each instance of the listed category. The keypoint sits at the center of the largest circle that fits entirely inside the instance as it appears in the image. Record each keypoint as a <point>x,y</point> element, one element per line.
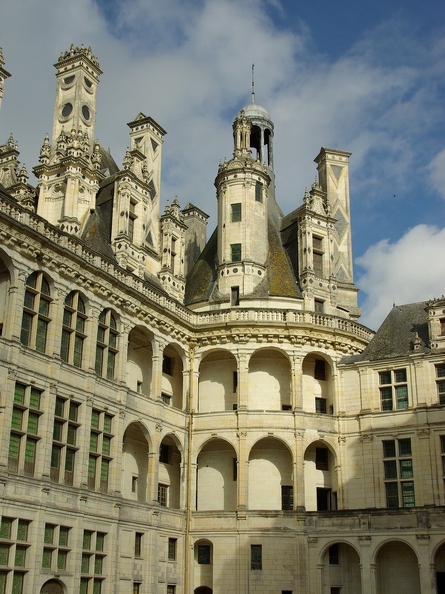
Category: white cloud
<point>409,270</point>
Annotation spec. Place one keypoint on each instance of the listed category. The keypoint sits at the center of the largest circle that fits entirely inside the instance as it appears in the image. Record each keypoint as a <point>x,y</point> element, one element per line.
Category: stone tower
<point>69,171</point>
<point>244,189</point>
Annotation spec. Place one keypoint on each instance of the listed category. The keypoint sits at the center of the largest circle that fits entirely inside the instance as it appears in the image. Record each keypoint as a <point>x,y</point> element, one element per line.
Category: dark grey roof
<point>201,280</point>
<point>107,164</point>
<point>399,330</point>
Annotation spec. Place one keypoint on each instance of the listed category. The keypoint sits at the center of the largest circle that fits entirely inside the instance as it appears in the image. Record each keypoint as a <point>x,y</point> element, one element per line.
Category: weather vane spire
<point>253,83</point>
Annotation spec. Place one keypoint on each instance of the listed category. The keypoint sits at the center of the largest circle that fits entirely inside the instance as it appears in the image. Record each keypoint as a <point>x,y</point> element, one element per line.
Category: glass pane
<point>25,335</point>
<point>22,530</point>
<point>107,423</point>
<point>104,470</point>
<point>204,554</point>
<point>93,442</point>
<point>57,430</point>
<point>48,536</point>
<point>87,540</point>
<point>55,456</point>
<point>42,327</point>
<point>80,324</point>
<point>97,586</point>
<point>5,528</point>
<point>33,423</point>
<point>31,281</point>
<point>106,441</point>
<point>92,467</point>
<point>34,399</point>
<point>19,393</point>
<point>78,350</point>
<point>440,370</point>
<point>65,346</point>
<point>17,583</point>
<point>385,377</point>
<point>59,407</point>
<point>80,304</point>
<point>404,447</point>
<point>110,364</point>
<point>71,436</point>
<point>44,307</point>
<point>402,396</point>
<point>14,446</point>
<point>4,554</point>
<point>73,411</point>
<point>386,398</point>
<point>46,558</point>
<point>20,556</point>
<point>392,495</point>
<point>99,359</point>
<point>98,565</point>
<point>44,286</point>
<point>390,469</point>
<point>29,300</point>
<point>406,468</point>
<point>389,449</point>
<point>84,586</point>
<point>95,419</point>
<point>17,416</point>
<point>61,559</point>
<point>69,460</point>
<point>63,536</point>
<point>400,375</point>
<point>85,566</point>
<point>67,318</point>
<point>100,540</point>
<point>408,494</point>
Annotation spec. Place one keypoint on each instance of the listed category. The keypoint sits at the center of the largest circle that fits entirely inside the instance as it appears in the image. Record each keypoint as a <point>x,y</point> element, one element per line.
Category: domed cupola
<point>260,141</point>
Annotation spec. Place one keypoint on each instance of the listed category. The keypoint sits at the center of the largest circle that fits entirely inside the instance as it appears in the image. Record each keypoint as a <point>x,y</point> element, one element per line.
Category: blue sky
<point>368,78</point>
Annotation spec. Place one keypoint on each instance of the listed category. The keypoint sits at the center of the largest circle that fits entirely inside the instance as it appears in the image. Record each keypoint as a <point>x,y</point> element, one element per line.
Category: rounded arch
<point>218,381</point>
<point>217,474</point>
<point>53,587</point>
<point>320,477</point>
<point>135,450</point>
<point>269,380</point>
<point>6,274</point>
<point>340,562</point>
<point>203,590</point>
<point>270,465</point>
<point>397,568</point>
<point>173,359</point>
<point>139,360</point>
<point>169,485</point>
<point>317,383</point>
<point>439,566</point>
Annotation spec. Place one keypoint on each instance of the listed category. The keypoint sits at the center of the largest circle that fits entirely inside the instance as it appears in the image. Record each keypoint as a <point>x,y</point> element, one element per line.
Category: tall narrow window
<point>235,252</point>
<point>131,220</point>
<point>35,320</point>
<point>204,554</point>
<point>317,255</point>
<point>393,389</point>
<point>235,212</point>
<point>163,495</point>
<point>398,473</point>
<point>64,446</point>
<point>287,497</point>
<point>24,429</point>
<point>173,255</point>
<point>256,556</point>
<point>258,192</point>
<point>106,348</point>
<point>73,331</point>
<point>322,458</point>
<point>13,555</point>
<point>100,449</point>
<point>56,549</point>
<point>234,296</point>
<point>172,543</point>
<point>440,382</point>
<point>138,544</point>
<point>92,568</point>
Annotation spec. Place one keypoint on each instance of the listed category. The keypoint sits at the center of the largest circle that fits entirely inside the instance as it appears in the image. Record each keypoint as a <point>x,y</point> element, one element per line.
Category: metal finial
<point>253,83</point>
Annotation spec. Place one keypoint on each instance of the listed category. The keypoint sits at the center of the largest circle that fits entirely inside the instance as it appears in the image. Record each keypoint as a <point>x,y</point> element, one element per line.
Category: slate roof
<point>396,335</point>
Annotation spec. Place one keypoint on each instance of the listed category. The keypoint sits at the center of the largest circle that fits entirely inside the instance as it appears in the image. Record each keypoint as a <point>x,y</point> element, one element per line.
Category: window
<point>166,398</point>
<point>136,588</point>
<point>106,347</point>
<point>258,192</point>
<point>333,555</point>
<point>24,429</point>
<point>234,296</point>
<point>440,373</point>
<point>172,542</point>
<point>173,255</point>
<point>138,544</point>
<point>234,382</point>
<point>92,566</point>
<point>171,589</point>
<point>398,473</point>
<point>131,220</point>
<point>393,390</point>
<point>320,369</point>
<point>100,449</point>
<point>165,453</point>
<point>35,320</point>
<point>319,305</point>
<point>167,365</point>
<point>234,469</point>
<point>335,590</point>
<point>73,331</point>
<point>204,556</point>
<point>64,448</point>
<point>317,255</point>
<point>55,550</point>
<point>287,497</point>
<point>320,406</point>
<point>13,554</point>
<point>134,484</point>
<point>442,326</point>
<point>163,495</point>
<point>326,499</point>
<point>322,458</point>
<point>256,556</point>
<point>442,451</point>
<point>235,252</point>
<point>235,212</point>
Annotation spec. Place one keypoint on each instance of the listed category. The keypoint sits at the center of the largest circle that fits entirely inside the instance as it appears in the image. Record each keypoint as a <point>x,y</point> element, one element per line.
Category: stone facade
<point>180,416</point>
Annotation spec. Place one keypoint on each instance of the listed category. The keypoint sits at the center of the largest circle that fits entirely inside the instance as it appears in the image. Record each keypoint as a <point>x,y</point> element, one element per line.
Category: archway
<point>52,587</point>
<point>218,382</point>
<point>134,463</point>
<point>217,477</point>
<point>397,569</point>
<point>341,569</point>
<point>269,381</point>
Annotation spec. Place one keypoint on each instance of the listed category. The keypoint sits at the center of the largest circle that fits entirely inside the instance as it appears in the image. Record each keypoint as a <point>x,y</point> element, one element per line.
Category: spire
<point>253,83</point>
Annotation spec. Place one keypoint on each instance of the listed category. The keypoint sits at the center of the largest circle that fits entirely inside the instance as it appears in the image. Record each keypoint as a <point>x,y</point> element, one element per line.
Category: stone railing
<point>76,246</point>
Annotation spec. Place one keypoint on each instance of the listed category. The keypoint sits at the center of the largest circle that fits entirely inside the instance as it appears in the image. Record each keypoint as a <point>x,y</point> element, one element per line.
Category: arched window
<point>106,350</point>
<point>36,319</point>
<point>73,332</point>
